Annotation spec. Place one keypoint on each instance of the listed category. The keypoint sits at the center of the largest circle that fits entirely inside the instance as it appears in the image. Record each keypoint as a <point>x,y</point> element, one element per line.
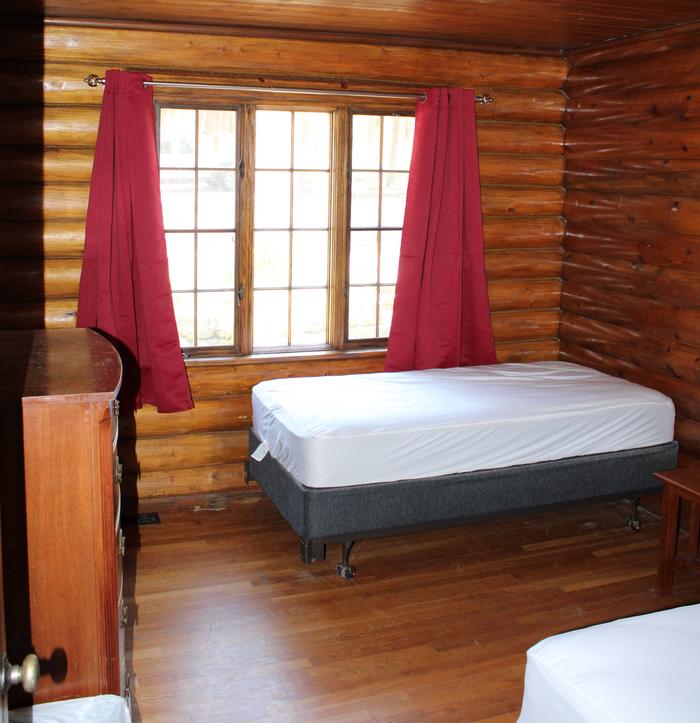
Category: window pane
<point>184,315</point>
<point>310,258</point>
<point>272,199</point>
<point>362,314</point>
<point>393,198</point>
<point>180,248</point>
<point>364,210</point>
<point>311,140</point>
<point>389,256</point>
<point>217,138</point>
<point>216,206</point>
<point>216,262</point>
<point>270,318</point>
<point>177,194</point>
<point>363,257</point>
<point>365,141</point>
<point>215,318</point>
<point>271,259</point>
<point>177,129</point>
<point>309,316</point>
<point>310,199</point>
<point>398,143</point>
<point>273,139</point>
<point>386,307</point>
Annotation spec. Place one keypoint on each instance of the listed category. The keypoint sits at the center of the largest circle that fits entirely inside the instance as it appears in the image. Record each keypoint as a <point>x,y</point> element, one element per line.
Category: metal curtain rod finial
<point>94,80</point>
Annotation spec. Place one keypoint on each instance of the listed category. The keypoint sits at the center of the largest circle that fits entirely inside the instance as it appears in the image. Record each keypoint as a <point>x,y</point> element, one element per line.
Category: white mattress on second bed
<point>356,429</point>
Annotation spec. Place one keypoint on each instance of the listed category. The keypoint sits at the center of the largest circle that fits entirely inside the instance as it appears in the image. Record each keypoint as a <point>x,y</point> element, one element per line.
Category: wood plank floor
<point>227,625</point>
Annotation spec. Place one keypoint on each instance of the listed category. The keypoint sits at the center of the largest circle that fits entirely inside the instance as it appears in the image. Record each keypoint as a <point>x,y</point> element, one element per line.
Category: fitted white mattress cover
<point>638,670</point>
<point>357,429</point>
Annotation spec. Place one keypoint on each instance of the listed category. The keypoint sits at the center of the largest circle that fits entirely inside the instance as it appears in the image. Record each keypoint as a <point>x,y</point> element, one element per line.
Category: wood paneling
<point>631,289</point>
<point>521,148</point>
<point>541,25</point>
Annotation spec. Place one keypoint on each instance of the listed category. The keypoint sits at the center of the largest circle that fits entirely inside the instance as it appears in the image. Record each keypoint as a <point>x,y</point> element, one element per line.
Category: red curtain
<point>125,286</point>
<point>441,309</point>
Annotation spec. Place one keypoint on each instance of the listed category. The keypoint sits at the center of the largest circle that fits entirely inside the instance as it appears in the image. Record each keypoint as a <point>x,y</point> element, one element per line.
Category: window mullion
<point>244,256</point>
<point>339,258</point>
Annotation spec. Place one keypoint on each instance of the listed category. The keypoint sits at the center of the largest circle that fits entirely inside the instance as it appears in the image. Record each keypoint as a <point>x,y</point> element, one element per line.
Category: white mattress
<point>644,669</point>
<point>357,429</point>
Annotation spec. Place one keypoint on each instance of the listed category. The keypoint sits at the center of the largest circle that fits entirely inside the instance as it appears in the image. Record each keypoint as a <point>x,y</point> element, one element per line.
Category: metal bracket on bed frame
<point>633,520</point>
<point>345,569</point>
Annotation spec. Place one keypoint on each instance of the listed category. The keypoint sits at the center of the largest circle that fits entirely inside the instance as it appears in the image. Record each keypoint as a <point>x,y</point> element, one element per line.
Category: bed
<point>349,457</point>
<point>642,669</point>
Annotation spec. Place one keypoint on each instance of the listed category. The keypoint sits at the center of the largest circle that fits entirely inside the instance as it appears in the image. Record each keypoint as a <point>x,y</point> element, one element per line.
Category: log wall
<point>631,275</point>
<point>521,143</point>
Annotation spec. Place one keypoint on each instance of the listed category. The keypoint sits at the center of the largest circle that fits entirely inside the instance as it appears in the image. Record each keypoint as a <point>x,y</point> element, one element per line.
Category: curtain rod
<point>94,80</point>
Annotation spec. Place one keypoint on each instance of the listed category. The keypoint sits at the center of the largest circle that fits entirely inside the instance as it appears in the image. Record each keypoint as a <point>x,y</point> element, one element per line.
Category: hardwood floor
<point>228,625</point>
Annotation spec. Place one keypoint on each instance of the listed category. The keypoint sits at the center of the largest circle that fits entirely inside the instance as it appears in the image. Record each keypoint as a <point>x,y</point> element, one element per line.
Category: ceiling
<point>533,25</point>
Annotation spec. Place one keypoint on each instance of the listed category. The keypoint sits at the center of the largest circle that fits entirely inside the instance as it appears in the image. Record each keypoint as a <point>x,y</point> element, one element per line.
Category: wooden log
<point>655,176</point>
<point>523,264</point>
<point>514,201</point>
<point>528,351</point>
<point>687,432</point>
<point>675,214</point>
<point>209,415</point>
<point>673,105</point>
<point>50,238</point>
<point>659,41</point>
<point>523,233</point>
<point>219,54</point>
<point>674,286</point>
<point>209,479</point>
<point>224,378</point>
<point>537,138</point>
<point>660,320</point>
<point>636,74</point>
<point>521,170</point>
<point>685,396</point>
<point>637,244</point>
<point>507,295</point>
<point>652,142</point>
<point>58,201</point>
<point>679,361</point>
<point>55,165</point>
<point>530,324</point>
<point>30,280</point>
<point>196,449</point>
<point>49,314</point>
<point>63,84</point>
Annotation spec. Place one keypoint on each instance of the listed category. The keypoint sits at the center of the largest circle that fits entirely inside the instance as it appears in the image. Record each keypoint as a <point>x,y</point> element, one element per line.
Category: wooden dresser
<point>67,381</point>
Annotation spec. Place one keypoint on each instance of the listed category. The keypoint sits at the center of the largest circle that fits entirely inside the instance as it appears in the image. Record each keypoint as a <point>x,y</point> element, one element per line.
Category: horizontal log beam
<point>675,214</point>
<point>678,361</point>
<point>676,142</point>
<point>673,286</point>
<point>220,54</point>
<point>208,479</point>
<point>648,176</point>
<point>513,295</point>
<point>638,244</point>
<point>660,320</point>
<point>523,264</point>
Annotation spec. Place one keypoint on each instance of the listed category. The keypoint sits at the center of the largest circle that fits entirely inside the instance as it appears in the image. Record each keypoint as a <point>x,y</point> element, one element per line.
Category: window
<point>282,224</point>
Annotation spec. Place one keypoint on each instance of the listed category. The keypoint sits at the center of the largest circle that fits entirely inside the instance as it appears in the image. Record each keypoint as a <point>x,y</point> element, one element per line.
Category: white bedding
<point>644,669</point>
<point>357,429</point>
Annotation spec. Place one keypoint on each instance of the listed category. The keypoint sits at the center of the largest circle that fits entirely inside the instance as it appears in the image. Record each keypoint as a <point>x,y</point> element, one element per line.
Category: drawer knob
<point>27,674</point>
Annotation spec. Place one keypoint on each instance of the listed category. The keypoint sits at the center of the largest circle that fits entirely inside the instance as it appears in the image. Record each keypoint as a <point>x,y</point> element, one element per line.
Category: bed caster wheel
<point>634,524</point>
<point>347,572</point>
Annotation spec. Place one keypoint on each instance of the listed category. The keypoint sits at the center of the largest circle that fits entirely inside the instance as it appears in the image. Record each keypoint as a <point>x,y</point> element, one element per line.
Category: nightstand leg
<point>694,529</point>
<point>669,540</point>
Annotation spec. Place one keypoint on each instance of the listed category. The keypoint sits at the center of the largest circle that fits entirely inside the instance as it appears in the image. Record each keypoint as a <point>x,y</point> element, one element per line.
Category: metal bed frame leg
<point>633,520</point>
<point>345,569</point>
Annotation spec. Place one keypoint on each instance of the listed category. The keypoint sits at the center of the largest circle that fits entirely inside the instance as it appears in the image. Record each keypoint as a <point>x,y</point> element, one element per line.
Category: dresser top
<point>58,363</point>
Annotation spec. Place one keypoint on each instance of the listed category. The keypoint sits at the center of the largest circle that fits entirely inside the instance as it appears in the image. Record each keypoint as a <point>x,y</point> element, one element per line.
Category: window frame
<point>341,110</point>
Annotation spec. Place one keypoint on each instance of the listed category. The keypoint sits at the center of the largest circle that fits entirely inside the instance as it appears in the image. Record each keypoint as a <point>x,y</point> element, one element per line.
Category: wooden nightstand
<point>679,484</point>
